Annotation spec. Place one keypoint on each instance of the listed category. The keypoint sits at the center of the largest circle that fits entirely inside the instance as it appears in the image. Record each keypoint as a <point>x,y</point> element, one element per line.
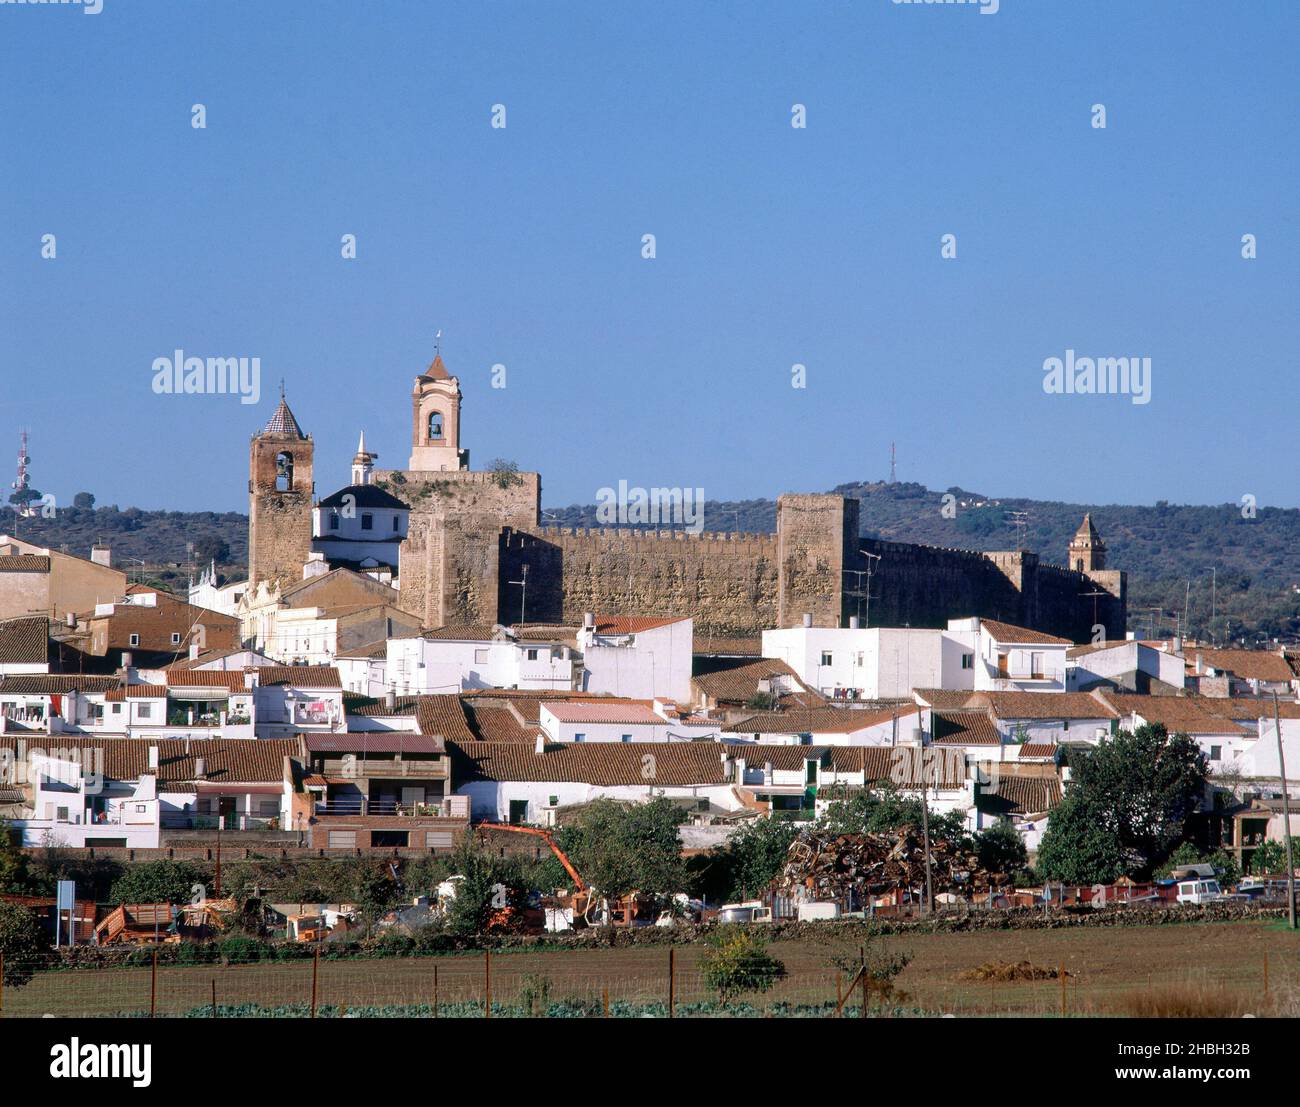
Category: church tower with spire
<point>280,489</point>
<point>435,433</point>
<point>1087,550</point>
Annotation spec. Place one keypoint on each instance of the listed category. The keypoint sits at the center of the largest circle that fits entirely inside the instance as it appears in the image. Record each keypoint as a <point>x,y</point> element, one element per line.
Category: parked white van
<point>1199,891</point>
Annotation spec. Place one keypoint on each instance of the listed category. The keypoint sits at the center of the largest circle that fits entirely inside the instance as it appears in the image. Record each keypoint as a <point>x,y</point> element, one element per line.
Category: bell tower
<point>435,431</point>
<point>280,489</point>
<point>1087,550</point>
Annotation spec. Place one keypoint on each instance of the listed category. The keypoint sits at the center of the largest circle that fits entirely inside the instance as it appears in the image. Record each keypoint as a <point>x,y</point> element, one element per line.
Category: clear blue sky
<point>775,245</point>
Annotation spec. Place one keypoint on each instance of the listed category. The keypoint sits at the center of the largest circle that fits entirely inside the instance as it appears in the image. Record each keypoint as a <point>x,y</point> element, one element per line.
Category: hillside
<point>1252,595</point>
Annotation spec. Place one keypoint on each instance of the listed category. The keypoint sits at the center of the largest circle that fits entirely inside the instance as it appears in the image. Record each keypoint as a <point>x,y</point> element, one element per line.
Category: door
<point>1002,665</point>
<point>518,812</point>
<point>226,813</point>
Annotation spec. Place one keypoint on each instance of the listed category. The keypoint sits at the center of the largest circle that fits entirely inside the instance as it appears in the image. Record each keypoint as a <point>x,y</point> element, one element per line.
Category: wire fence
<point>653,982</point>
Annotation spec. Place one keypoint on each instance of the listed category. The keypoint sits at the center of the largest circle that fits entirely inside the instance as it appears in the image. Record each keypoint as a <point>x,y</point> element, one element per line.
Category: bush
<point>23,942</point>
<point>738,962</point>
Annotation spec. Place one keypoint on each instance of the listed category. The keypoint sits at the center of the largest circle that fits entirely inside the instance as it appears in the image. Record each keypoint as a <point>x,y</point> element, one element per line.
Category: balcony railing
<point>368,807</point>
<point>225,822</point>
<point>378,767</point>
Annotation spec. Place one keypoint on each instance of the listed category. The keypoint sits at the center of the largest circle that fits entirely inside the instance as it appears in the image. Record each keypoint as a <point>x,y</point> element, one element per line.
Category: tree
<point>1269,857</point>
<point>504,473</point>
<point>620,848</point>
<point>15,874</point>
<point>754,855</point>
<point>84,500</point>
<point>886,808</point>
<point>23,942</point>
<point>211,547</point>
<point>737,961</point>
<point>1127,807</point>
<point>1000,849</point>
<point>157,882</point>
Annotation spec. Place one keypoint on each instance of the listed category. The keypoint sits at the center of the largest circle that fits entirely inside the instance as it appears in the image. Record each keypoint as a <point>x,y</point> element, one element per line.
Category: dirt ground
<point>1103,965</point>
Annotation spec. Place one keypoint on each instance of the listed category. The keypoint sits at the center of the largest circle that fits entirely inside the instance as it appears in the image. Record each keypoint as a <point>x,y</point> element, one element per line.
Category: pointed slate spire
<point>282,421</point>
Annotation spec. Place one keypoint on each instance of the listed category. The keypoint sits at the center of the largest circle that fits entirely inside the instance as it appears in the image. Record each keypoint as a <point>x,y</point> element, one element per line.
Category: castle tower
<point>435,432</point>
<point>280,491</point>
<point>363,464</point>
<point>1087,550</point>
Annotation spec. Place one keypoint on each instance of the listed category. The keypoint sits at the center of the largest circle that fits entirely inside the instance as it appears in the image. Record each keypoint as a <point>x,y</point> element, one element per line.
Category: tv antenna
<point>1019,520</point>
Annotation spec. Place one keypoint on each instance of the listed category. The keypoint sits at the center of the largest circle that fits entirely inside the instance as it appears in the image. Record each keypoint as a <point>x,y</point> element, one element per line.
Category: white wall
<point>651,664</point>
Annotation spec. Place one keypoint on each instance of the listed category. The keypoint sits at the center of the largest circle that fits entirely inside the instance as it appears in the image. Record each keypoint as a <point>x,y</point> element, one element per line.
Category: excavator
<point>584,897</point>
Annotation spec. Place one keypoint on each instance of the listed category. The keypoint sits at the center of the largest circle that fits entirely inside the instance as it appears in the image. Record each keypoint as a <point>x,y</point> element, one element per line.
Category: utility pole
<point>1286,816</point>
<point>523,591</point>
<point>925,824</point>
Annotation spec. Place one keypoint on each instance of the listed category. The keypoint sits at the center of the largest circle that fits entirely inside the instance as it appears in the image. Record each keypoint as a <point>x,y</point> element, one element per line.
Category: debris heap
<point>824,866</point>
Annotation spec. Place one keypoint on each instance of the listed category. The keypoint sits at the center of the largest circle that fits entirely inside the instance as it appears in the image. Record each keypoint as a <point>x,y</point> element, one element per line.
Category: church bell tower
<point>280,489</point>
<point>435,433</point>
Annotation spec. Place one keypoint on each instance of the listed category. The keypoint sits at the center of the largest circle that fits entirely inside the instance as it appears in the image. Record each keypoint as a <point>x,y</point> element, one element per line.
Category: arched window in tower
<point>1079,565</point>
<point>284,472</point>
<point>435,427</point>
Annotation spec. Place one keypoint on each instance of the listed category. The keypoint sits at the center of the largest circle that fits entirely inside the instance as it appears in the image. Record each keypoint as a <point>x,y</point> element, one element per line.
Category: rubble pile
<point>824,866</point>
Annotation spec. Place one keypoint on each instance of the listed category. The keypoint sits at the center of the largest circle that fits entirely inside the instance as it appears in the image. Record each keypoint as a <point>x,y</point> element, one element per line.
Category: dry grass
<point>1006,971</point>
<point>1187,1001</point>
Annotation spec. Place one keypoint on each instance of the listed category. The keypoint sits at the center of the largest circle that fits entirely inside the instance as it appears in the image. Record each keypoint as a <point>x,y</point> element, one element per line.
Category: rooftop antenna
<point>893,464</point>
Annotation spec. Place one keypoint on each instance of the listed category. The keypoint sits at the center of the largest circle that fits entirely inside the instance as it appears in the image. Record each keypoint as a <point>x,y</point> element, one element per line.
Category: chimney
<point>853,622</point>
<point>71,619</point>
<point>101,554</point>
<point>153,758</point>
<point>200,768</point>
<point>539,746</point>
<point>194,650</point>
<point>390,699</point>
<point>127,658</point>
<point>807,618</point>
<point>1200,663</point>
<point>589,620</point>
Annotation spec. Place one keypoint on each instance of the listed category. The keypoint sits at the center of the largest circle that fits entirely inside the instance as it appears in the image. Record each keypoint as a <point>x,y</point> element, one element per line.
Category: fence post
<point>487,976</point>
<point>606,998</point>
<point>435,991</point>
<point>214,997</point>
<point>2,984</point>
<point>315,972</point>
<point>1265,976</point>
<point>672,982</point>
<point>153,984</point>
<point>1060,968</point>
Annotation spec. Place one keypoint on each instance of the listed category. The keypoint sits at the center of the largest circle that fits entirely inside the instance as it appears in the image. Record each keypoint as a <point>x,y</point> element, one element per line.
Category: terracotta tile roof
<point>1010,633</point>
<point>1246,664</point>
<point>1034,750</point>
<point>1020,795</point>
<point>633,624</point>
<point>39,684</point>
<point>462,632</point>
<point>136,692</point>
<point>250,761</point>
<point>942,698</point>
<point>230,679</point>
<point>1044,705</point>
<point>1179,714</point>
<point>499,724</point>
<point>902,766</point>
<point>1098,647</point>
<point>25,640</point>
<point>825,720</point>
<point>605,764</point>
<point>618,712</point>
<point>729,647</point>
<point>739,683</point>
<point>205,658</point>
<point>374,741</point>
<point>965,728</point>
<point>368,707</point>
<point>443,715</point>
<point>437,370</point>
<point>371,651</point>
<point>24,563</point>
<point>300,676</point>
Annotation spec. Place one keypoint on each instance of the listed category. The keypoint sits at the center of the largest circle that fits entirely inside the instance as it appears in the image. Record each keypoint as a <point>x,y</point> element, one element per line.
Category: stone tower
<point>1087,550</point>
<point>280,491</point>
<point>435,432</point>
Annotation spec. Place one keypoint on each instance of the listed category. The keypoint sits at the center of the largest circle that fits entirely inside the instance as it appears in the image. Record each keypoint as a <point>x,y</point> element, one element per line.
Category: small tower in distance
<point>363,464</point>
<point>280,489</point>
<point>1087,550</point>
<point>435,432</point>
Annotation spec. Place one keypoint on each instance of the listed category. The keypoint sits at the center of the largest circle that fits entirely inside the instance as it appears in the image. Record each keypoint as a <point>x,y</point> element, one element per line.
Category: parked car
<point>749,912</point>
<point>1205,891</point>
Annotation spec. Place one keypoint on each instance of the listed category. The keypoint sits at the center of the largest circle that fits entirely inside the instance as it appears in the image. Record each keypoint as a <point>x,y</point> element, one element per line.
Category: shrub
<point>738,962</point>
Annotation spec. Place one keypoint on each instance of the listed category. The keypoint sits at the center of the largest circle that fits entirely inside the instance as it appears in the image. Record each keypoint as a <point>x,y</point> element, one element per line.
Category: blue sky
<point>775,246</point>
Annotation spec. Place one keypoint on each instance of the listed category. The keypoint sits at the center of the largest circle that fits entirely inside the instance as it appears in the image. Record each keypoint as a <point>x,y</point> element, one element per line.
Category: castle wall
<point>819,558</point>
<point>728,582</point>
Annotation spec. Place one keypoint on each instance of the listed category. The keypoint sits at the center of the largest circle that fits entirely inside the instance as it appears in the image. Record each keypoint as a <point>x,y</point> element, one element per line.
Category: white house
<point>832,726</point>
<point>466,658</point>
<point>1063,719</point>
<point>566,721</point>
<point>1130,666</point>
<point>208,594</point>
<point>635,657</point>
<point>1008,658</point>
<point>74,805</point>
<point>865,663</point>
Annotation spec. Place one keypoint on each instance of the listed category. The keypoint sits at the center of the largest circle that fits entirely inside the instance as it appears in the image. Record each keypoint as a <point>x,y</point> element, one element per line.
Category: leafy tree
<point>23,942</point>
<point>211,547</point>
<point>1268,857</point>
<point>84,500</point>
<point>754,855</point>
<point>1127,807</point>
<point>24,496</point>
<point>887,808</point>
<point>156,882</point>
<point>620,848</point>
<point>762,701</point>
<point>1226,866</point>
<point>737,962</point>
<point>1000,849</point>
<point>376,892</point>
<point>15,875</point>
<point>504,473</point>
<point>1186,854</point>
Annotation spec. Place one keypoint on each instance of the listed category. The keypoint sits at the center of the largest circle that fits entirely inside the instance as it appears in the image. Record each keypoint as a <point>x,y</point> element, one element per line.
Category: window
<point>480,657</point>
<point>532,655</point>
<point>626,738</point>
<point>176,638</point>
<point>1036,665</point>
<point>968,661</point>
<point>810,772</point>
<point>826,657</point>
<point>1216,753</point>
<point>394,522</point>
<point>435,426</point>
<point>334,520</point>
<point>367,521</point>
<point>284,472</point>
<point>117,709</point>
<point>134,640</point>
<point>579,737</point>
<point>144,710</point>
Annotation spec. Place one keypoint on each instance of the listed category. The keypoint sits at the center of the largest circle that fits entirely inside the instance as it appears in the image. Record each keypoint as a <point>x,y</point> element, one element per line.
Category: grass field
<point>1106,967</point>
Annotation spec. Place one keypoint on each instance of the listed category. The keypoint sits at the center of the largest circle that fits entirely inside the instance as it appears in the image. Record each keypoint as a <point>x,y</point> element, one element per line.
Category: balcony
<point>444,809</point>
<point>379,769</point>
